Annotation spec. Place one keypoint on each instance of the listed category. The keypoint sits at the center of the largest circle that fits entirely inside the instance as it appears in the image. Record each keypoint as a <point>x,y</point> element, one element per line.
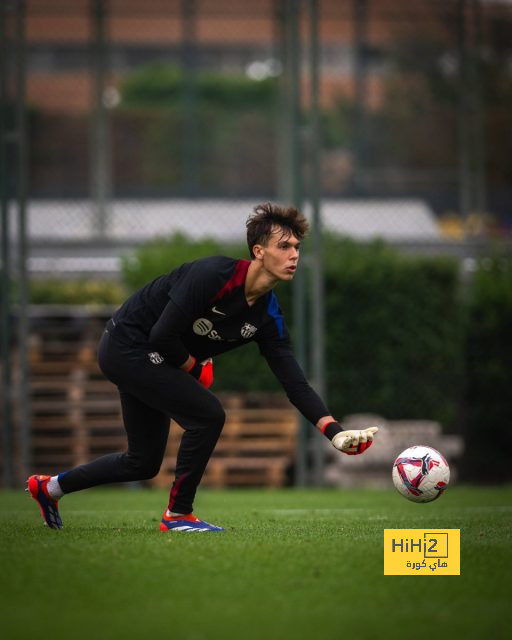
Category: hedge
<point>394,334</point>
<point>162,85</point>
<point>488,399</point>
<point>76,291</point>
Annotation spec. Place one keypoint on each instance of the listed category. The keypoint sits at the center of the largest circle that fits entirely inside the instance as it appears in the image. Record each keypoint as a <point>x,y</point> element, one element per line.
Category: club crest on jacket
<point>155,357</point>
<point>248,330</point>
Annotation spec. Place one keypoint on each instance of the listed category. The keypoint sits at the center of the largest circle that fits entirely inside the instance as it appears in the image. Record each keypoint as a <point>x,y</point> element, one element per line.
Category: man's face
<point>280,255</point>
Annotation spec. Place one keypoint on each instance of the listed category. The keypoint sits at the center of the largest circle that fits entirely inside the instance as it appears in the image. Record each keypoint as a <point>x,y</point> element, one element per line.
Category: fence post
<point>360,90</point>
<point>189,135</point>
<point>23,278</point>
<point>101,176</point>
<point>292,70</point>
<point>317,331</point>
<point>5,299</point>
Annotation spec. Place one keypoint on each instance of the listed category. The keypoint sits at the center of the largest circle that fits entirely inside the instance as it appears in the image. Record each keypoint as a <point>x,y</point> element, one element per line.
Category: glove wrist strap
<point>331,429</point>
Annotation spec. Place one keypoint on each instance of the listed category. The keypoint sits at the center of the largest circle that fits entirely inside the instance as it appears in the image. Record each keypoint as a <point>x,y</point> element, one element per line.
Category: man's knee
<point>208,416</point>
<point>149,470</point>
<point>218,416</point>
<point>139,468</point>
<point>213,415</point>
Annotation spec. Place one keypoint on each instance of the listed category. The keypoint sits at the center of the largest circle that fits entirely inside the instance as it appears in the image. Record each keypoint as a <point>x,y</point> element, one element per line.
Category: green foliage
<point>223,126</point>
<point>164,86</point>
<point>156,85</point>
<point>89,292</point>
<point>165,254</point>
<point>489,367</point>
<point>336,125</point>
<point>394,333</point>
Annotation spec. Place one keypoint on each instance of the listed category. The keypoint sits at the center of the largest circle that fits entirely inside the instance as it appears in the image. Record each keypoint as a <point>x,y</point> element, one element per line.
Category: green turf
<point>293,564</point>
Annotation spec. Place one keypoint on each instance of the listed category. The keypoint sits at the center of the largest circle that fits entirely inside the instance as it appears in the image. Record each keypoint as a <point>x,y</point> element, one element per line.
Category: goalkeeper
<point>158,349</point>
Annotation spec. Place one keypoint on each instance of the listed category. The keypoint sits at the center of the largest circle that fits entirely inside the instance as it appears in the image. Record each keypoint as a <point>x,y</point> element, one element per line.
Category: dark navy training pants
<point>152,392</point>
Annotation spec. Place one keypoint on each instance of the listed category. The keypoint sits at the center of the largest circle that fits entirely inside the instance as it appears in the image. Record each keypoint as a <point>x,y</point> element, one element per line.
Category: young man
<point>158,349</point>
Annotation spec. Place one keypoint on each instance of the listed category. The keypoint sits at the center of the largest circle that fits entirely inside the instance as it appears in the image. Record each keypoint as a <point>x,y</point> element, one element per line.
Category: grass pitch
<point>293,564</point>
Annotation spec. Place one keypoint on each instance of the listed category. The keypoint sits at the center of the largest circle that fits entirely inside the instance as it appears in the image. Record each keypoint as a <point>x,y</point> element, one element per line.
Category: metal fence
<point>218,100</point>
<point>124,120</point>
<point>233,100</point>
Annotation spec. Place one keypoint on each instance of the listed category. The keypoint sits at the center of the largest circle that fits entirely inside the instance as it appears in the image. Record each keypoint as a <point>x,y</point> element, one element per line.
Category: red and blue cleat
<point>37,486</point>
<point>188,523</point>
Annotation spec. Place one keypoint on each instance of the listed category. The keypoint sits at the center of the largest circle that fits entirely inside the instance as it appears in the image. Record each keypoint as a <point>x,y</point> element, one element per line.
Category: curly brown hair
<point>267,216</point>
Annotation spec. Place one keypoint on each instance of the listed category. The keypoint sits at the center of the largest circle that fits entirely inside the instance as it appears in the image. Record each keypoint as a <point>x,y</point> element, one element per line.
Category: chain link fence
<point>144,120</point>
<point>183,99</point>
<point>136,113</point>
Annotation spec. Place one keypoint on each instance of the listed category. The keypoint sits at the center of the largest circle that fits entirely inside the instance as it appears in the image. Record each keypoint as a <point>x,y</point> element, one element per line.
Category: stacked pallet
<point>256,448</point>
<point>75,411</point>
<point>76,420</point>
<point>76,416</point>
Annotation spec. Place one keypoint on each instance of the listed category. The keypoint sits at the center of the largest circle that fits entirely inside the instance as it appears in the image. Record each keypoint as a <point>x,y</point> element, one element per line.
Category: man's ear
<point>257,251</point>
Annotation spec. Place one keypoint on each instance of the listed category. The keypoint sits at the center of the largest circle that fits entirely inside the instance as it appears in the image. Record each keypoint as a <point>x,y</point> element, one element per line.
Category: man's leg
<point>153,392</point>
<point>181,397</point>
<point>147,430</point>
<point>178,395</point>
<point>195,450</point>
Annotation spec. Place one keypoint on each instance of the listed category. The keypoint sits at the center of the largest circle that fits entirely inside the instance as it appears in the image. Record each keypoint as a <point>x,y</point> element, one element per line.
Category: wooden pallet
<point>76,413</point>
<point>256,448</point>
<point>76,417</point>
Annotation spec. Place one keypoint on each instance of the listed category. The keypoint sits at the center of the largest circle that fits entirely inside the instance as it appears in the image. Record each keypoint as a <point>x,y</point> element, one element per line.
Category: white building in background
<point>63,234</point>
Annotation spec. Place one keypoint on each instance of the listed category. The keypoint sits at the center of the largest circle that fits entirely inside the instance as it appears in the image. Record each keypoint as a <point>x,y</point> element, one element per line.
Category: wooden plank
<point>263,447</point>
<point>260,415</point>
<point>258,429</point>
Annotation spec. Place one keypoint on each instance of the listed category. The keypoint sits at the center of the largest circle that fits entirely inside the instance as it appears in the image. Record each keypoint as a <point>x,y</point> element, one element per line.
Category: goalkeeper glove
<point>202,371</point>
<point>352,442</point>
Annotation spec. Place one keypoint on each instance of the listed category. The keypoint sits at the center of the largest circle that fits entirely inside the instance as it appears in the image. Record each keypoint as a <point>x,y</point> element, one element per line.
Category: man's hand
<point>202,372</point>
<point>354,442</point>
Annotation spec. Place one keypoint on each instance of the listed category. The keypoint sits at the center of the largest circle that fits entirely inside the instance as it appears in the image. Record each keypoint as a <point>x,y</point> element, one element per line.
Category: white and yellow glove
<point>352,442</point>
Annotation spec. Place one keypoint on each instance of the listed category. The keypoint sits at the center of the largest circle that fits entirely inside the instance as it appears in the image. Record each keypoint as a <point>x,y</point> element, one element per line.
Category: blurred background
<point>137,136</point>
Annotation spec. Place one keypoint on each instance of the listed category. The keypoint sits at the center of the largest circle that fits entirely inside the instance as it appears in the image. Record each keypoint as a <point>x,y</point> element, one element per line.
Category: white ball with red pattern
<point>421,473</point>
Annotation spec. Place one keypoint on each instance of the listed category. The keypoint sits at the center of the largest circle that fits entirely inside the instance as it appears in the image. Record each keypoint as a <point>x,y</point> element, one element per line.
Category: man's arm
<point>165,336</point>
<point>188,297</point>
<point>300,393</point>
<point>280,357</point>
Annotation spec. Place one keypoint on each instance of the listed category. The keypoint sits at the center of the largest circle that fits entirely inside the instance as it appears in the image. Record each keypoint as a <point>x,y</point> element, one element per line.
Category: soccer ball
<point>421,474</point>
